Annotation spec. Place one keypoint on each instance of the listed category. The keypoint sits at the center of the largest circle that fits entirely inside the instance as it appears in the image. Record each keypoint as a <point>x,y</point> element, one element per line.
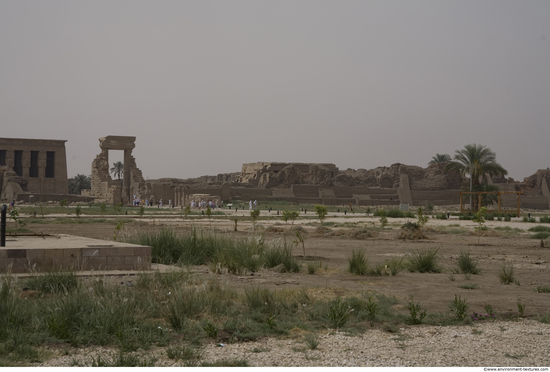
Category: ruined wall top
<point>31,142</point>
<point>117,143</point>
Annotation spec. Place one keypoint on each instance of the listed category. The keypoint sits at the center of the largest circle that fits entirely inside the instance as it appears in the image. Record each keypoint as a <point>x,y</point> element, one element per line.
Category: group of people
<point>138,202</point>
<point>252,205</point>
<point>203,204</point>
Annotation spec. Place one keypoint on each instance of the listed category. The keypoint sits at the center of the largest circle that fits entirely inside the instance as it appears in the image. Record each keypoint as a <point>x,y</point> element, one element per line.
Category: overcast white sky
<point>208,85</point>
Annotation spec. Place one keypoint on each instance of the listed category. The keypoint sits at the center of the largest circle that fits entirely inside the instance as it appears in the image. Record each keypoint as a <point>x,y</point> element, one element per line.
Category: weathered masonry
<point>32,166</point>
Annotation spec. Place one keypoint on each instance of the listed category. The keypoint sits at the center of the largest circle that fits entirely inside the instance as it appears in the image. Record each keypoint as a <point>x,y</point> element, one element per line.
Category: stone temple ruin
<point>104,188</point>
<point>34,170</point>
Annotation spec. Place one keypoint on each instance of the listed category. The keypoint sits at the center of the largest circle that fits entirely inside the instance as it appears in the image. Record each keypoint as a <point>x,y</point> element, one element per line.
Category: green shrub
<point>544,219</point>
<point>459,307</point>
<point>466,264</point>
<point>53,281</point>
<point>395,265</point>
<point>540,228</point>
<point>416,314</point>
<point>506,274</point>
<point>281,254</point>
<point>338,313</point>
<point>357,262</point>
<point>424,261</point>
<point>312,341</point>
<point>540,235</point>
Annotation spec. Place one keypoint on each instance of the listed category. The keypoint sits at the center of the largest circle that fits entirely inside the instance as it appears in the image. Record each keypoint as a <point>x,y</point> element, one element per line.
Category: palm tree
<point>440,158</point>
<point>79,182</point>
<point>476,161</point>
<point>117,170</point>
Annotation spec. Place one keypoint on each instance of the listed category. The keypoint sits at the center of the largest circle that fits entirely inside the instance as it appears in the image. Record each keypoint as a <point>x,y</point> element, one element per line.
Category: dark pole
<point>3,226</point>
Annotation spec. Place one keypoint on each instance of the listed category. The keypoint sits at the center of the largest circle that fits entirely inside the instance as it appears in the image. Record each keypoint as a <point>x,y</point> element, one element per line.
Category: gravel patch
<point>492,343</point>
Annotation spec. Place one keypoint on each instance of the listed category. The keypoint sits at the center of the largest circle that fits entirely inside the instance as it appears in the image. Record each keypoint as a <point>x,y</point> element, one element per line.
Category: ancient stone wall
<point>104,188</point>
<point>32,165</point>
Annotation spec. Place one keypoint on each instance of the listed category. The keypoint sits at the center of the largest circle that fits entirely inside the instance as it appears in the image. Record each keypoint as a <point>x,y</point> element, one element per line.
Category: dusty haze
<point>208,85</point>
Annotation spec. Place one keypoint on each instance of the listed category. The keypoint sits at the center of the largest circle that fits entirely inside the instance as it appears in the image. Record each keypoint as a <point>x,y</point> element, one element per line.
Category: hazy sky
<point>208,85</point>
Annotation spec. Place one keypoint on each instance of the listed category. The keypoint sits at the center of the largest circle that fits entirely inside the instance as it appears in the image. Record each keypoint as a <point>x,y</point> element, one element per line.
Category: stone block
<point>17,253</point>
<point>120,251</point>
<point>35,253</point>
<point>90,252</point>
<point>132,260</point>
<point>114,261</point>
<point>19,270</point>
<point>41,263</point>
<point>124,267</point>
<point>142,251</point>
<point>53,253</point>
<point>97,262</point>
<point>71,252</point>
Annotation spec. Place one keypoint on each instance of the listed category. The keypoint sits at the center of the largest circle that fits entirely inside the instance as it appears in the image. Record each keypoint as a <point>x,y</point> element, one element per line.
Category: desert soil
<point>511,342</point>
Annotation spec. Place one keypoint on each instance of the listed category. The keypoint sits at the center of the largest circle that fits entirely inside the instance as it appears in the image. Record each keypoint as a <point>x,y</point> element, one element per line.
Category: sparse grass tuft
<point>312,341</point>
<point>424,261</point>
<point>357,262</point>
<point>506,274</point>
<point>466,264</point>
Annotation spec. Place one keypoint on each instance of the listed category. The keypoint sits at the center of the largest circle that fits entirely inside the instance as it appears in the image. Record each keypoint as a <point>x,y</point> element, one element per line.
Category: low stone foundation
<point>24,254</point>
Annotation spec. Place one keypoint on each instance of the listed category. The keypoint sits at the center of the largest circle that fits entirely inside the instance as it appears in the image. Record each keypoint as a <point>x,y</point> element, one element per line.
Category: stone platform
<point>54,252</point>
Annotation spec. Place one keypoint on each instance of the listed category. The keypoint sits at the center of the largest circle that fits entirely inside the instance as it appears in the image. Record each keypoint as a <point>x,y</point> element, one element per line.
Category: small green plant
<point>255,214</point>
<point>466,264</point>
<point>141,211</point>
<point>479,218</point>
<point>211,329</point>
<point>469,286</point>
<point>429,207</point>
<point>424,261</point>
<point>370,308</point>
<point>488,310</point>
<point>338,313</point>
<point>416,314</point>
<point>209,214</point>
<point>422,220</point>
<point>357,262</point>
<point>184,352</point>
<point>368,211</point>
<point>395,265</point>
<point>312,267</point>
<point>383,219</point>
<point>78,211</point>
<point>521,308</point>
<point>103,207</point>
<point>312,341</point>
<point>186,211</point>
<point>14,215</point>
<point>506,274</point>
<point>117,208</point>
<point>321,211</point>
<point>290,216</point>
<point>300,239</point>
<point>118,228</point>
<point>63,203</point>
<point>459,307</point>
